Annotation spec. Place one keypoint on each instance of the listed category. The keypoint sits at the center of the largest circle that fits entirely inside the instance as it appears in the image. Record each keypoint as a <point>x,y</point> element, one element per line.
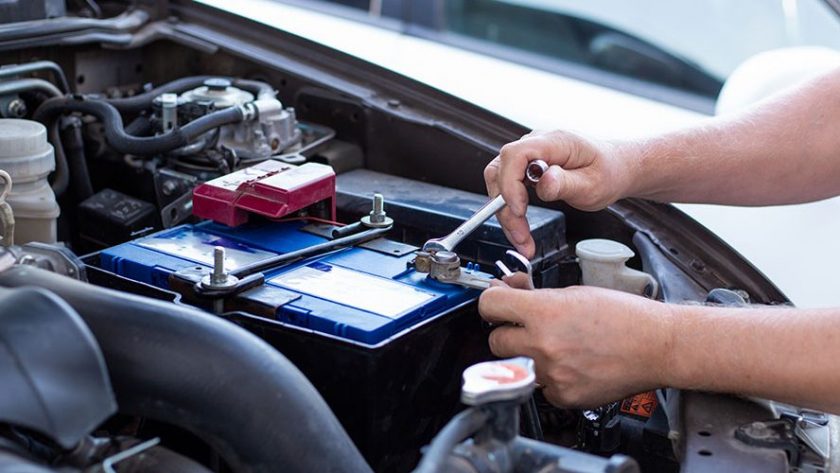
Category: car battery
<point>384,344</point>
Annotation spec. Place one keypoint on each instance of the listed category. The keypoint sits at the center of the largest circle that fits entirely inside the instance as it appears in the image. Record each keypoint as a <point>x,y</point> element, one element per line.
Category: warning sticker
<point>641,405</point>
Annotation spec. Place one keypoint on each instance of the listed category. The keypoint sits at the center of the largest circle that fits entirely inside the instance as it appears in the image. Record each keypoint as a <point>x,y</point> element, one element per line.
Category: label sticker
<point>198,247</point>
<point>354,289</point>
<point>641,405</point>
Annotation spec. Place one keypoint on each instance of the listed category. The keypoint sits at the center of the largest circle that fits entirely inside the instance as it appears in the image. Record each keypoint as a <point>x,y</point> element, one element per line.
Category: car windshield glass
<point>688,45</point>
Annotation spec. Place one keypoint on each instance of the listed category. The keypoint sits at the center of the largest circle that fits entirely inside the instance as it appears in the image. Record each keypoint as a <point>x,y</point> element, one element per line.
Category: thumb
<point>561,184</point>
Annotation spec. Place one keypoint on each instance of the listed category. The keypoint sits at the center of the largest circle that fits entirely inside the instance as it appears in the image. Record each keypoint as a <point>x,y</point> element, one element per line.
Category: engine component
<point>28,158</point>
<point>51,369</point>
<point>234,391</point>
<point>271,189</point>
<point>600,429</point>
<point>361,325</point>
<point>486,436</point>
<point>110,217</point>
<point>274,131</point>
<point>602,265</point>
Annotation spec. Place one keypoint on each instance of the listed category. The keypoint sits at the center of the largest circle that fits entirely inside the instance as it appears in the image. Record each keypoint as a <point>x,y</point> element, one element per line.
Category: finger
<point>560,184</point>
<point>500,305</point>
<point>514,158</point>
<point>518,280</point>
<point>517,231</point>
<point>510,341</point>
<point>498,283</point>
<point>491,175</point>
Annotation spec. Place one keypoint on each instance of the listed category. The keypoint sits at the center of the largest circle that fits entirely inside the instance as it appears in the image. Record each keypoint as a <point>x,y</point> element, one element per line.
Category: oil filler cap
<point>495,381</point>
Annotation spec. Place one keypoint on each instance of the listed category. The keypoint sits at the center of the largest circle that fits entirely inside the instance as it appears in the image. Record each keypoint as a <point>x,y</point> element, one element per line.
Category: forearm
<point>784,150</point>
<point>776,353</point>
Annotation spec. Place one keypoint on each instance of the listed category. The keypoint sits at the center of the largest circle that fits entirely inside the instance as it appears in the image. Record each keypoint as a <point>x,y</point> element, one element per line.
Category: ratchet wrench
<point>533,173</point>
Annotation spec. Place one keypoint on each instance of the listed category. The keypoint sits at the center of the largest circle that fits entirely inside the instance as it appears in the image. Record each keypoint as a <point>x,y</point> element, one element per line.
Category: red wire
<point>313,219</point>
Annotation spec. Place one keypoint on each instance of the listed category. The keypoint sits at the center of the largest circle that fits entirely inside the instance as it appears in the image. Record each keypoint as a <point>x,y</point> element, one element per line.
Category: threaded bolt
<point>219,276</point>
<point>377,215</point>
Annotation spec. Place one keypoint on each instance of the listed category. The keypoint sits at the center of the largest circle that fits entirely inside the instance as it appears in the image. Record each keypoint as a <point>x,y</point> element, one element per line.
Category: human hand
<point>588,175</point>
<point>590,345</point>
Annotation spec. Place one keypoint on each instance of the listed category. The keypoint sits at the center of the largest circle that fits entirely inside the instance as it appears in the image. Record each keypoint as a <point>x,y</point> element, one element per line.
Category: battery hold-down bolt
<point>377,217</point>
<point>219,278</point>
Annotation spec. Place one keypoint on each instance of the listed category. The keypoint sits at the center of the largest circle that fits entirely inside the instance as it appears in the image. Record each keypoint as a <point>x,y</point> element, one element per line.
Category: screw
<point>377,215</point>
<point>16,108</point>
<point>219,276</point>
<point>169,187</point>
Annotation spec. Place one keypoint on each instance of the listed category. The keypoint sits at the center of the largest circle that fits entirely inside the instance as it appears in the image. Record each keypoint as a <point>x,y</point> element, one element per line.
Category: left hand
<point>590,345</point>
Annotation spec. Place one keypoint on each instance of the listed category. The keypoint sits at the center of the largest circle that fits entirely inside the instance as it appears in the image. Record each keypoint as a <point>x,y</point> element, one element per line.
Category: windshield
<point>717,35</point>
<point>686,46</point>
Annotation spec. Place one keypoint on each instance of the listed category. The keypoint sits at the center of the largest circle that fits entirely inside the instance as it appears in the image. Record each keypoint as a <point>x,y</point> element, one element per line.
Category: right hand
<point>587,175</point>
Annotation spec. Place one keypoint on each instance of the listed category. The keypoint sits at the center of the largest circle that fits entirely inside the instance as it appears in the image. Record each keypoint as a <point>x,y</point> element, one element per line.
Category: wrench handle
<point>449,242</point>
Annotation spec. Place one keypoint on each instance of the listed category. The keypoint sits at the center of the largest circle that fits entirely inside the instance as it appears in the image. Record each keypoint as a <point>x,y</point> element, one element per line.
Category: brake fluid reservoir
<point>28,158</point>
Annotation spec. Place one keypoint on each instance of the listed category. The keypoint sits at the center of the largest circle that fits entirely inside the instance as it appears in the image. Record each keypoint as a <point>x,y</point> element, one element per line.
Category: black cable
<point>459,428</point>
<point>291,257</point>
<point>122,142</point>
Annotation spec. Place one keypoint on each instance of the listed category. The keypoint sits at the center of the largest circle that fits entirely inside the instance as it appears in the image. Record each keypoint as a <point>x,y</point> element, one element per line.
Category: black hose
<point>74,148</point>
<point>292,256</point>
<point>18,69</point>
<point>458,429</point>
<point>61,176</point>
<point>188,368</point>
<point>122,142</point>
<point>140,126</point>
<point>140,102</point>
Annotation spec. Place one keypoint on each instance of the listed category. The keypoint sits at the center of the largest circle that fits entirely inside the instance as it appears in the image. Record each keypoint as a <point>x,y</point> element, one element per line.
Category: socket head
<point>535,170</point>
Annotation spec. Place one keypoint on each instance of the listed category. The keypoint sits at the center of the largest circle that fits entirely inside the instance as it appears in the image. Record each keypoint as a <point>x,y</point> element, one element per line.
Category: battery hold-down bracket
<point>271,189</point>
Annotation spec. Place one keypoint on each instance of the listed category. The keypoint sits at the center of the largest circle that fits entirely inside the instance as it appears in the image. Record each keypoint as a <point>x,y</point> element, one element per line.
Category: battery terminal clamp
<point>438,257</point>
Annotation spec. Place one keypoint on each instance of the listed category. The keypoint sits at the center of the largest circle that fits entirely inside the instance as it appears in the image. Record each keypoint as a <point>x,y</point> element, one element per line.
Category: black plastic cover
<point>52,373</point>
<point>110,217</point>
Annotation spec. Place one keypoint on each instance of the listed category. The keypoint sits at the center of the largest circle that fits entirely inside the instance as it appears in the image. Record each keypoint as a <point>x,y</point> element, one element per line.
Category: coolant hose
<point>140,102</point>
<point>115,133</point>
<point>188,368</point>
<point>456,431</point>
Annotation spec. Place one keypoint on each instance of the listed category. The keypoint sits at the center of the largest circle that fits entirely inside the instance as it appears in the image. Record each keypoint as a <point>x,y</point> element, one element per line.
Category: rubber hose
<point>61,176</point>
<point>122,142</point>
<point>194,370</point>
<point>140,102</point>
<point>140,126</point>
<point>458,429</point>
<point>74,148</point>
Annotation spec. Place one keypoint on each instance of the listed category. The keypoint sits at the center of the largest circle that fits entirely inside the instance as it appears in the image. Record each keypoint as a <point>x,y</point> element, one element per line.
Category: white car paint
<point>797,247</point>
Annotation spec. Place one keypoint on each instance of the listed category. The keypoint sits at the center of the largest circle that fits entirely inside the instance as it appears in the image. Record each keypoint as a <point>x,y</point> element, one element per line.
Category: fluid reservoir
<point>28,157</point>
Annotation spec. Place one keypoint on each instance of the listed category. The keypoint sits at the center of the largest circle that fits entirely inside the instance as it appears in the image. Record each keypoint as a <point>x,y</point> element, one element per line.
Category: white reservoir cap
<point>25,152</point>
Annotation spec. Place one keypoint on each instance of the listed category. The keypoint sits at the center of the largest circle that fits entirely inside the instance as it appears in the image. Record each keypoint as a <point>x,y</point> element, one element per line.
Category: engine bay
<point>193,182</point>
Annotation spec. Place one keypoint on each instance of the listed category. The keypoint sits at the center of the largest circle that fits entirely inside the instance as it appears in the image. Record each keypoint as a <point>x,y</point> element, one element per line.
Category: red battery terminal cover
<point>271,189</point>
